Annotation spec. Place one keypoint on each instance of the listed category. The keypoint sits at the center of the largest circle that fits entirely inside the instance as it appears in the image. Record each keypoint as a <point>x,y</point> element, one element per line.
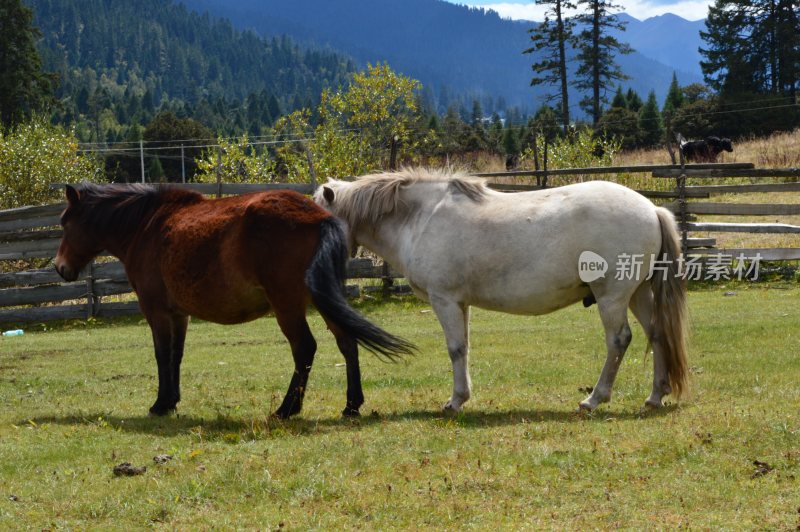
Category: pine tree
<point>753,53</point>
<point>155,172</point>
<point>453,131</point>
<point>550,39</point>
<point>650,125</point>
<point>510,142</point>
<point>634,100</point>
<point>546,123</point>
<point>622,124</point>
<point>478,137</point>
<point>619,100</point>
<point>433,123</point>
<point>24,88</point>
<point>170,132</point>
<point>752,46</point>
<point>495,134</point>
<point>476,120</point>
<point>674,99</point>
<point>597,49</point>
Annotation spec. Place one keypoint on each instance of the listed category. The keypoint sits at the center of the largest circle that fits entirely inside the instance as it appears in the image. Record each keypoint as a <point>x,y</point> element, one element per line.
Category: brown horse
<point>227,261</point>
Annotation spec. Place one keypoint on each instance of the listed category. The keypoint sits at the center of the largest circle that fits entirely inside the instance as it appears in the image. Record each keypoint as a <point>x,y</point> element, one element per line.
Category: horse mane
<point>370,197</point>
<point>121,208</point>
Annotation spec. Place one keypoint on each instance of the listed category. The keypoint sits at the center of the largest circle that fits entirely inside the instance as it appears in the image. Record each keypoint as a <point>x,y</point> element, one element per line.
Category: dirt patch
<point>762,468</point>
<point>126,469</point>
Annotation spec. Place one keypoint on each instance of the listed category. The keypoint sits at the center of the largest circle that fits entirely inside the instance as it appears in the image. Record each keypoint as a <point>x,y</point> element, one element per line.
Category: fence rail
<point>633,169</point>
<point>33,233</point>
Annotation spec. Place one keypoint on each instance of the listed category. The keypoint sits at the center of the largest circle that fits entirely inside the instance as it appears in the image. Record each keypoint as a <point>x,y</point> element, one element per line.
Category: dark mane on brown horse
<point>121,208</point>
<point>228,260</point>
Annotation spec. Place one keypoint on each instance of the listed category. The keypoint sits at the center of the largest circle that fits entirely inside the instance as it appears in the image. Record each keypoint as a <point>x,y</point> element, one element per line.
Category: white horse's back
<point>520,252</point>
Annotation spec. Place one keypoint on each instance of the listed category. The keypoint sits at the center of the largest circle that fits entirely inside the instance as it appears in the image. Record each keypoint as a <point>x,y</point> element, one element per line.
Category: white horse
<point>460,243</point>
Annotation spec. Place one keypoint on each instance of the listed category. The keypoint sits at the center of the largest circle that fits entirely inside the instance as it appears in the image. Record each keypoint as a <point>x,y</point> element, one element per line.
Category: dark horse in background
<point>227,261</point>
<point>704,151</point>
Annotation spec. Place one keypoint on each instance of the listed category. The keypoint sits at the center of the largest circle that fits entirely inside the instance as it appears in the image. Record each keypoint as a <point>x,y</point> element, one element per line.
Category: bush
<point>35,155</point>
<point>579,149</point>
<point>238,162</point>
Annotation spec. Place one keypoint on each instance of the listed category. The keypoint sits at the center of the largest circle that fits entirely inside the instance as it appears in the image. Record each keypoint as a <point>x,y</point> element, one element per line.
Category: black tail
<point>325,280</point>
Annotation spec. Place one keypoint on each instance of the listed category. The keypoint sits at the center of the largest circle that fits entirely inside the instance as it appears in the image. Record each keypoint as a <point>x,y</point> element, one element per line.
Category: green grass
<point>74,401</point>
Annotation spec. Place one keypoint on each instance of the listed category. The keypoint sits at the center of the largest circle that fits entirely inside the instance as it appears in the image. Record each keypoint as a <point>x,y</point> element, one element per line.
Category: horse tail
<point>325,280</point>
<point>669,323</point>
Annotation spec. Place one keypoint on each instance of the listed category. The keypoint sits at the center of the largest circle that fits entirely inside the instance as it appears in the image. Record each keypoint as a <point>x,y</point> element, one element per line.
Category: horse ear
<point>73,196</point>
<point>327,193</point>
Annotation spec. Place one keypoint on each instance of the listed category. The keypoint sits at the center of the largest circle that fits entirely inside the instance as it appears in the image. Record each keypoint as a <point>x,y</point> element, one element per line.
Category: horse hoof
<point>652,404</point>
<point>350,412</point>
<point>160,411</point>
<point>282,414</point>
<point>450,408</point>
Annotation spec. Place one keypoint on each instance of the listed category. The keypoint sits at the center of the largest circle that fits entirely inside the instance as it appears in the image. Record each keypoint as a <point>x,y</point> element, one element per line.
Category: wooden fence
<point>40,295</point>
<point>687,209</point>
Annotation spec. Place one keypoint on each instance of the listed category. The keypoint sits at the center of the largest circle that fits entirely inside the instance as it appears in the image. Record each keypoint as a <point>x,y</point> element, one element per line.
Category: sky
<point>640,9</point>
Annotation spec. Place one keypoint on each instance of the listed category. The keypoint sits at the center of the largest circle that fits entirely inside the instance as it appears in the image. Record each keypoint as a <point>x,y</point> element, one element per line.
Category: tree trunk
<point>562,67</point>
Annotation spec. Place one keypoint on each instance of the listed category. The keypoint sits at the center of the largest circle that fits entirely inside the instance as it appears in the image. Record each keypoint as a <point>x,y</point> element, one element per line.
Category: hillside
<point>668,39</point>
<point>446,46</point>
<point>129,57</point>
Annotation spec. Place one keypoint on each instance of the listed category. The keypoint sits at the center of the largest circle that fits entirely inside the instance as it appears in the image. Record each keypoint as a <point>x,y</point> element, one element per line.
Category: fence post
<point>183,166</point>
<point>393,153</point>
<point>219,172</point>
<point>669,136</point>
<point>536,157</point>
<point>90,292</point>
<point>682,212</point>
<point>544,176</point>
<point>312,173</point>
<point>388,282</point>
<point>141,156</point>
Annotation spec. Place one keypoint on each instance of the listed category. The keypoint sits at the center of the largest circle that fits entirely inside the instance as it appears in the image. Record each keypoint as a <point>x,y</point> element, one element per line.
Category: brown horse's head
<point>78,244</point>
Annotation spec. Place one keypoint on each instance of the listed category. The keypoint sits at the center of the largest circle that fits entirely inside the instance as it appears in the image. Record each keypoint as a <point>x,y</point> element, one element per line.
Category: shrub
<point>579,149</point>
<point>33,156</point>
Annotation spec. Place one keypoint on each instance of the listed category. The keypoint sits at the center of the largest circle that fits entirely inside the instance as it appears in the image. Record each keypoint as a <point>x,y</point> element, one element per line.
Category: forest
<point>119,63</point>
<point>115,73</point>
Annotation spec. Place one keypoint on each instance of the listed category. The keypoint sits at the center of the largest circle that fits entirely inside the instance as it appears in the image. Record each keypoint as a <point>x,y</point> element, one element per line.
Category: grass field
<point>74,401</point>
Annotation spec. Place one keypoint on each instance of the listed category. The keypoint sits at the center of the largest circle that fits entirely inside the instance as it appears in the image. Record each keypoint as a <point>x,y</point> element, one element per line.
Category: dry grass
<point>780,150</point>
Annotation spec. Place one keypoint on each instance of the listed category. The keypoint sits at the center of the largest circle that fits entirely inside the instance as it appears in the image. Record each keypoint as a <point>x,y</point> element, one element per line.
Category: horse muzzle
<point>67,273</point>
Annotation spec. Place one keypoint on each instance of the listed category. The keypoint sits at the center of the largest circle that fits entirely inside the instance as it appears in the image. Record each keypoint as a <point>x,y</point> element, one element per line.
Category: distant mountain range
<point>668,39</point>
<point>457,49</point>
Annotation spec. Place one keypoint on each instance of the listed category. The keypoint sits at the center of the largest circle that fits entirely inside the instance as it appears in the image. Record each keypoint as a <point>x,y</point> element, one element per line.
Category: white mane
<point>370,197</point>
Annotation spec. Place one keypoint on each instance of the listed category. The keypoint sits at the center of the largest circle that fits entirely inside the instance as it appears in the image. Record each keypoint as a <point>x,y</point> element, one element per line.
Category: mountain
<point>668,39</point>
<point>450,48</point>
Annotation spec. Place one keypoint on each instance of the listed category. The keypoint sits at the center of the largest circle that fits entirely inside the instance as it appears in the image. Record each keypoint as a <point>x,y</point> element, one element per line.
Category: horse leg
<point>454,318</point>
<point>642,307</point>
<point>614,314</point>
<point>349,349</point>
<point>294,326</point>
<point>179,326</point>
<point>161,327</point>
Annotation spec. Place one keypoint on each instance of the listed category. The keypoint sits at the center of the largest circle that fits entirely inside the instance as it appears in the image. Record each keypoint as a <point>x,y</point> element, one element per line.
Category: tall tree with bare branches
<point>549,40</point>
<point>597,51</point>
